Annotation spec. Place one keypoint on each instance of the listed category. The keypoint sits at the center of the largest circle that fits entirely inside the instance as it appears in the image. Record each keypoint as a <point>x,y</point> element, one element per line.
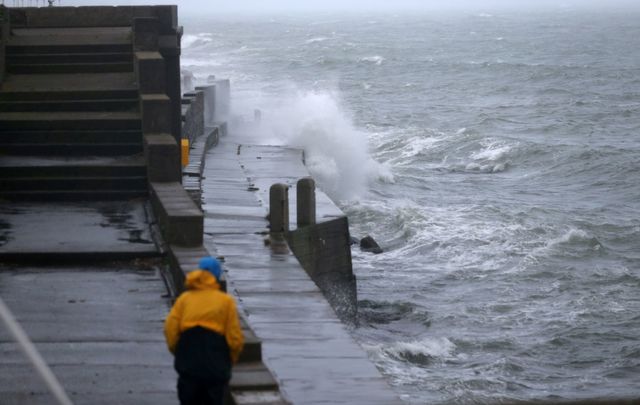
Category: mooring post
<point>306,202</point>
<point>279,208</point>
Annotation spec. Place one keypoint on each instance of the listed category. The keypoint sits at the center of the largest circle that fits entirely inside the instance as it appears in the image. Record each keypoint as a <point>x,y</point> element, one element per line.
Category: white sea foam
<point>494,157</point>
<point>435,348</point>
<point>419,144</point>
<point>571,236</point>
<point>190,41</point>
<point>314,40</point>
<point>376,59</point>
<point>209,62</point>
<point>574,236</point>
<point>492,152</point>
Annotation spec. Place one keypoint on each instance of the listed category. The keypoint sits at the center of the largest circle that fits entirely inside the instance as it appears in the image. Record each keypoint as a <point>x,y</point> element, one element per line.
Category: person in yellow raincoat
<point>203,332</point>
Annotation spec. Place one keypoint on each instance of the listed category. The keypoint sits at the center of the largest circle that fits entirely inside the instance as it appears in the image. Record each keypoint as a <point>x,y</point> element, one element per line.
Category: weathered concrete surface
<point>179,217</point>
<point>92,230</point>
<point>98,328</point>
<point>94,16</point>
<point>305,345</point>
<point>69,83</point>
<point>71,36</point>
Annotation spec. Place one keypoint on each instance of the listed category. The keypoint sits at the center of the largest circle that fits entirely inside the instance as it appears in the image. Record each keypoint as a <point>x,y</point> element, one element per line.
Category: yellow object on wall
<point>184,146</point>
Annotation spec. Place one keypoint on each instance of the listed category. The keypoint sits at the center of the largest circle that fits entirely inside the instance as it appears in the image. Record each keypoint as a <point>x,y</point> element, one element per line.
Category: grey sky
<point>213,6</point>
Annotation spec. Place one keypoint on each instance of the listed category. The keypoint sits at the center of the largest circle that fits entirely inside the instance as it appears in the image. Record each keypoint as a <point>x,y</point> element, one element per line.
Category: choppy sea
<point>495,157</point>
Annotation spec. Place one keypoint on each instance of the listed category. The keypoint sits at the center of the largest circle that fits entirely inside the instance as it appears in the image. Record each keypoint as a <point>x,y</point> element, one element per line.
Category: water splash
<point>337,153</point>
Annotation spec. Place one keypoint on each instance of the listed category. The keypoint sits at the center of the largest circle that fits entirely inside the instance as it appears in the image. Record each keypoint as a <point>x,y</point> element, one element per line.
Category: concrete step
<point>71,136</point>
<point>78,86</point>
<point>88,57</point>
<point>252,351</point>
<point>68,95</point>
<point>266,397</point>
<point>34,178</point>
<point>76,183</point>
<point>72,195</point>
<point>69,40</point>
<point>69,120</point>
<point>252,377</point>
<point>70,149</point>
<point>84,67</point>
<point>27,47</point>
<point>35,166</point>
<point>119,104</point>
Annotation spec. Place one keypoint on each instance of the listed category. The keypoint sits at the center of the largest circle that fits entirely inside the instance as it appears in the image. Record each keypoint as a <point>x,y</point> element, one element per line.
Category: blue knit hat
<point>211,265</point>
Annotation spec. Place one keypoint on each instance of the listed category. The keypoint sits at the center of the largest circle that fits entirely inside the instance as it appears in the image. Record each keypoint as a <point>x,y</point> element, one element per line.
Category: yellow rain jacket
<point>204,305</point>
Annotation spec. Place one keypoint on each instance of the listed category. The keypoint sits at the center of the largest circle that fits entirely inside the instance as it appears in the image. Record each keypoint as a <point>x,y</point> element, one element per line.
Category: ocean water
<point>495,157</point>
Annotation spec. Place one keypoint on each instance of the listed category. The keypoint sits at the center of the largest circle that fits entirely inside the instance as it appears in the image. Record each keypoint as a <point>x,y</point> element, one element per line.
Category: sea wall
<point>323,249</point>
<point>324,252</point>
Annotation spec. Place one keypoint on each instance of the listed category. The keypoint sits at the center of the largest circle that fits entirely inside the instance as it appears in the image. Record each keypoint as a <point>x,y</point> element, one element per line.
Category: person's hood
<point>201,280</point>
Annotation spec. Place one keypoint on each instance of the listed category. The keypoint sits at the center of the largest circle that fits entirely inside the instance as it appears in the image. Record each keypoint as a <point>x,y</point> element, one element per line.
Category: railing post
<point>279,208</point>
<point>306,202</point>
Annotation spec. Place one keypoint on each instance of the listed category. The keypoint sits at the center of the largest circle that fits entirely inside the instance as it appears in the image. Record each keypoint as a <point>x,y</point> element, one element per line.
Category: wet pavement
<point>309,350</point>
<point>98,328</point>
<point>113,230</point>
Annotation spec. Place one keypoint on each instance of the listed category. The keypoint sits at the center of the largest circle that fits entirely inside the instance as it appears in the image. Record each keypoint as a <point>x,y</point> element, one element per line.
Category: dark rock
<point>354,241</point>
<point>368,244</point>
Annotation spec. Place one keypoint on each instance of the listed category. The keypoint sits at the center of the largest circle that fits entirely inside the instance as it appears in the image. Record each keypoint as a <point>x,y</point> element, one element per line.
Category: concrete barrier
<point>150,72</point>
<point>180,220</point>
<point>162,155</point>
<point>222,100</point>
<point>156,117</point>
<point>145,34</point>
<point>209,99</point>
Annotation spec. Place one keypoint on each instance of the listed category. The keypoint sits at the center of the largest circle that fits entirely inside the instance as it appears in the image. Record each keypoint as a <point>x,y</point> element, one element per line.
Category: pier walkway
<point>305,345</point>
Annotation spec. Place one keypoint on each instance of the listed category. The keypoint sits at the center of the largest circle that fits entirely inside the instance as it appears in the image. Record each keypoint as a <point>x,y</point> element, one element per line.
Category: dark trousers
<point>193,391</point>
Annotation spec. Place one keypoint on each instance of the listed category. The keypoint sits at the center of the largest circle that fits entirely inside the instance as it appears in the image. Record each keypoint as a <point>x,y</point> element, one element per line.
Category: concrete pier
<point>304,343</point>
<point>91,117</point>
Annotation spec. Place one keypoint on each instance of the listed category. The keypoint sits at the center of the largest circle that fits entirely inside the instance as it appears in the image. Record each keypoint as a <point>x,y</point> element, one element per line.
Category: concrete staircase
<point>70,116</point>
